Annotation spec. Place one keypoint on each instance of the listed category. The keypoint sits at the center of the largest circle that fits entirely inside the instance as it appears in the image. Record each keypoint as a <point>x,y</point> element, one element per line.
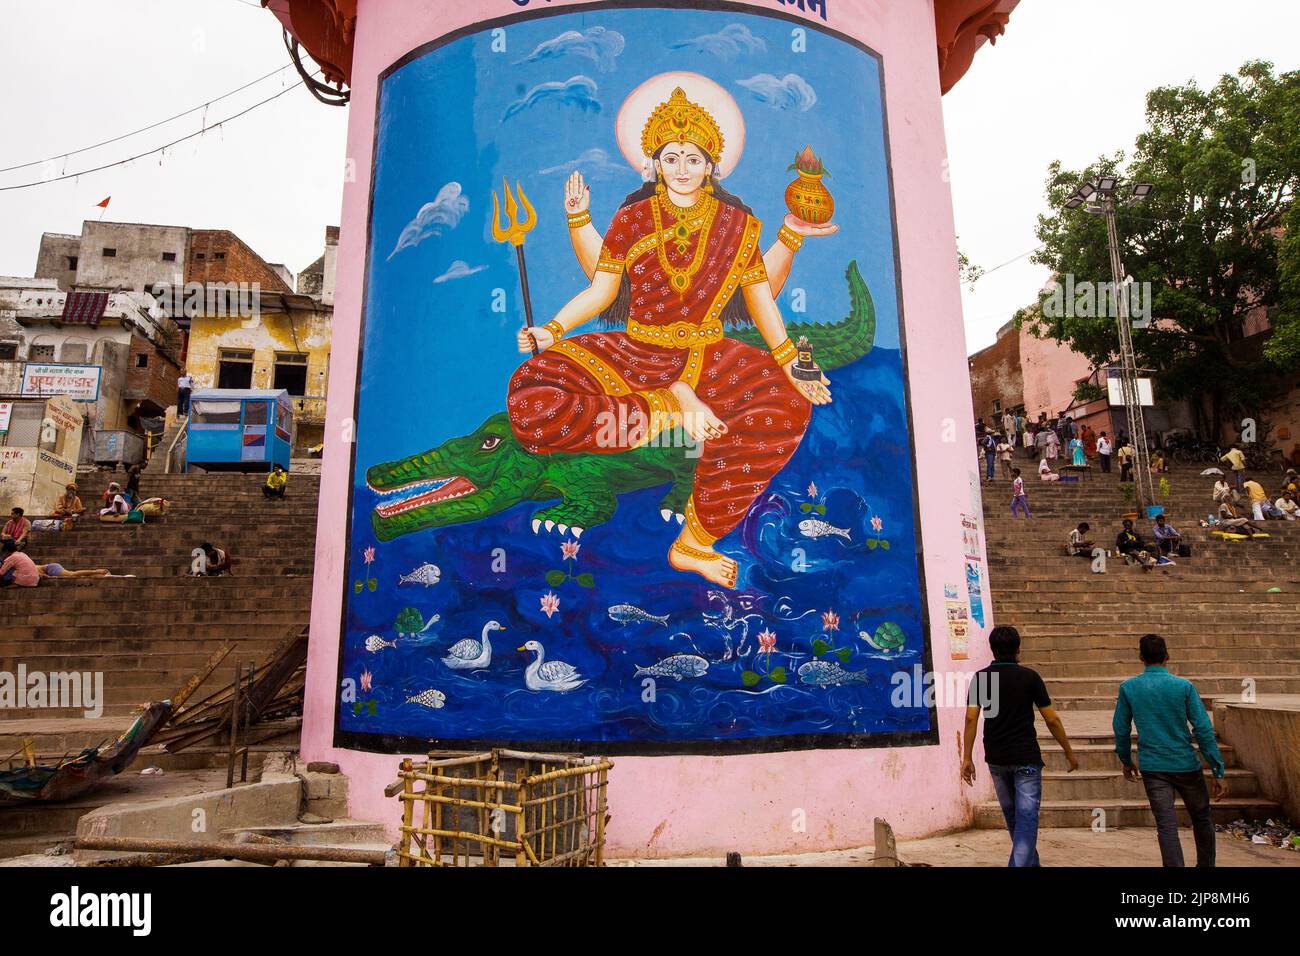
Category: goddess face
<point>684,167</point>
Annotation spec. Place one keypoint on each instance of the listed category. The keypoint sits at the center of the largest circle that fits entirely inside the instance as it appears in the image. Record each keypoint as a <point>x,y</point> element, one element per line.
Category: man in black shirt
<point>1007,694</point>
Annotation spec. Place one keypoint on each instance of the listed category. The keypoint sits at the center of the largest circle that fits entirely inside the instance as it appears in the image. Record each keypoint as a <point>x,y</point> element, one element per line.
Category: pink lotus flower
<point>766,641</point>
<point>830,621</point>
<point>366,678</point>
<point>370,555</point>
<point>876,523</point>
<point>812,490</point>
<point>569,550</point>
<point>550,603</point>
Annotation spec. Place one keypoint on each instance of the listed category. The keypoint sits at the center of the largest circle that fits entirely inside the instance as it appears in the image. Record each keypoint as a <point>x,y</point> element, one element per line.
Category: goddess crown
<point>681,121</point>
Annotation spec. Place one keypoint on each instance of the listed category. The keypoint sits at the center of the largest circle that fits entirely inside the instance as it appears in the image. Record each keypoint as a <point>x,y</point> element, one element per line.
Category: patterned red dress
<point>682,273</point>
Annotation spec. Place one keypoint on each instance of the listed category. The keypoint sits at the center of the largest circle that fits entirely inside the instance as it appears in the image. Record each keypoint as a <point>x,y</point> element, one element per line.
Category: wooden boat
<point>75,775</point>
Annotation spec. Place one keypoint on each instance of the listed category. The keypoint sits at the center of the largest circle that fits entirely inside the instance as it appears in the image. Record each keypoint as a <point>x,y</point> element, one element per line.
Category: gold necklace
<point>678,278</point>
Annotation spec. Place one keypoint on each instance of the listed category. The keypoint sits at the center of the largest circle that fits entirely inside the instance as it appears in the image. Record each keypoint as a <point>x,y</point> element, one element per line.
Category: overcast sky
<point>1067,81</point>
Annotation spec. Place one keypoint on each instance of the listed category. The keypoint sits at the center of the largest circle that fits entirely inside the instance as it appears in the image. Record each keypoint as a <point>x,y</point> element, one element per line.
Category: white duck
<point>472,655</point>
<point>549,675</point>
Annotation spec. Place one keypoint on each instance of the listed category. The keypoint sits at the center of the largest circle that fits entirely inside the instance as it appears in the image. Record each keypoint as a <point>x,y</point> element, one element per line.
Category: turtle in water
<point>889,637</point>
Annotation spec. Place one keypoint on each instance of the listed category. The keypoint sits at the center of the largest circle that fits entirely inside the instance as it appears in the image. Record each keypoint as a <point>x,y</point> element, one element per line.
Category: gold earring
<point>660,186</point>
<point>708,185</point>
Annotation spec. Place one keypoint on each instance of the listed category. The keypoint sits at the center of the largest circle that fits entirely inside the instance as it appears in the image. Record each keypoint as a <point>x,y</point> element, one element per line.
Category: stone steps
<point>1080,630</point>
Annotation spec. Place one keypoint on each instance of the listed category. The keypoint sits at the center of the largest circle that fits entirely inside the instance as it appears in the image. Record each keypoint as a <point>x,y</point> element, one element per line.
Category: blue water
<point>860,472</point>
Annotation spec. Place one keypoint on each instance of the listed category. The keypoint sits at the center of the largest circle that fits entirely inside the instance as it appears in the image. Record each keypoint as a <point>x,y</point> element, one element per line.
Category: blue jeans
<point>988,465</point>
<point>1020,791</point>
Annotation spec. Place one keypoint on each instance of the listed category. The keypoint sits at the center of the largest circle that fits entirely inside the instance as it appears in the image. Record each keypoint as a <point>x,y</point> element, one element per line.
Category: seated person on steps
<point>17,530</point>
<point>1080,546</point>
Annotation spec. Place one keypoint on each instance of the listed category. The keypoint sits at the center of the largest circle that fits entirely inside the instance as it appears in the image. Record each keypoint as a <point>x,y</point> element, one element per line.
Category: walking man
<point>1018,497</point>
<point>1006,694</point>
<point>1237,461</point>
<point>1163,706</point>
<point>1104,449</point>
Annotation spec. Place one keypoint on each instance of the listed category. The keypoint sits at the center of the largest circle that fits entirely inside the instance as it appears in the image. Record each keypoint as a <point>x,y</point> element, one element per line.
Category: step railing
<point>170,460</point>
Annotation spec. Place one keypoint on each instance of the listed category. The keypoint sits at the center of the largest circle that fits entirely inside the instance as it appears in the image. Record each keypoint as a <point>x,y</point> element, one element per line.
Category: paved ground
<point>1057,847</point>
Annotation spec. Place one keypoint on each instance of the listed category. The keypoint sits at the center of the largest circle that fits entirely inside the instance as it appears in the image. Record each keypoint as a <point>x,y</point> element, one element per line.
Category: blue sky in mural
<point>437,358</point>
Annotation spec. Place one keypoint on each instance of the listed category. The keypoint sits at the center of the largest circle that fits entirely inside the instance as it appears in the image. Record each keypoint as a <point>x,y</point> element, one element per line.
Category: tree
<point>1216,240</point>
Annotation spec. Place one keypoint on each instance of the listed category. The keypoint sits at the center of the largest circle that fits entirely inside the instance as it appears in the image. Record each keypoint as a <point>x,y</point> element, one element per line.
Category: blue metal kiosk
<point>239,429</point>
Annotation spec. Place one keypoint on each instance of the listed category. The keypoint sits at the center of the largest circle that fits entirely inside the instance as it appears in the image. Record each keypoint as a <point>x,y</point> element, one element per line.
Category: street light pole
<point>1100,198</point>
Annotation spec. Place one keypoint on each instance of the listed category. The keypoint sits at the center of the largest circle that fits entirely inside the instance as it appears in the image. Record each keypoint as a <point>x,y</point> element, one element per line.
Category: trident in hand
<point>514,233</point>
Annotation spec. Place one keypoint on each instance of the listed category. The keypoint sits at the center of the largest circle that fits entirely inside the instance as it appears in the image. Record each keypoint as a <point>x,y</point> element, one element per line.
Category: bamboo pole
<point>407,809</point>
<point>252,852</point>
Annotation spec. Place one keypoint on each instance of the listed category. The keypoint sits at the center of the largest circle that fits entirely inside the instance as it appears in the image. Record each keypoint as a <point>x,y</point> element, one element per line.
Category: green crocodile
<point>487,471</point>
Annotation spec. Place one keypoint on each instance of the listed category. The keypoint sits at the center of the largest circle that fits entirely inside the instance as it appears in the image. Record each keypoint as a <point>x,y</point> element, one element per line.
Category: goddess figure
<point>680,261</point>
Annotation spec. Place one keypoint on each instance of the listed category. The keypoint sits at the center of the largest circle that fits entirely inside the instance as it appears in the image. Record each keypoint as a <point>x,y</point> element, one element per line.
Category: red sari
<point>559,400</point>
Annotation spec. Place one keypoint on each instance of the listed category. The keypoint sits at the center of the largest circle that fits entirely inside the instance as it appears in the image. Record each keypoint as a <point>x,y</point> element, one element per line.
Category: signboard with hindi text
<point>78,382</point>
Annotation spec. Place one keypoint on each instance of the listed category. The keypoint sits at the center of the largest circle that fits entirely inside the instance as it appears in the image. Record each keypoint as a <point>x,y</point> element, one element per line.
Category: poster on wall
<point>78,382</point>
<point>970,537</point>
<point>6,413</point>
<point>634,464</point>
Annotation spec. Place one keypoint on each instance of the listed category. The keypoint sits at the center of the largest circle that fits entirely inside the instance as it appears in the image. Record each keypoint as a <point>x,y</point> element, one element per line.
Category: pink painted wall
<point>670,806</point>
<point>1050,370</point>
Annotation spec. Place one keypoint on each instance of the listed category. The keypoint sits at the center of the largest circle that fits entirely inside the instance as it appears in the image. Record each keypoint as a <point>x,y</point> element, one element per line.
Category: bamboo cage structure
<point>502,807</point>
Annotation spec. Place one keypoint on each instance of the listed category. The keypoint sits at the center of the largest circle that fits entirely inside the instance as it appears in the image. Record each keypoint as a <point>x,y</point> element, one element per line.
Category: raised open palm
<point>577,194</point>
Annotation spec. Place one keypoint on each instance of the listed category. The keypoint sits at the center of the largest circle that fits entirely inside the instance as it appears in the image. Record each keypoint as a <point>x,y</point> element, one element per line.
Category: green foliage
<point>820,647</point>
<point>1127,489</point>
<point>1225,163</point>
<point>556,578</point>
<point>1086,391</point>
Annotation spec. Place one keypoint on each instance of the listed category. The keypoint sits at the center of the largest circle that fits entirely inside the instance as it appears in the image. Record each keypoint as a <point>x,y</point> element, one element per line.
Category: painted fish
<point>676,666</point>
<point>430,698</point>
<point>628,614</point>
<point>816,528</point>
<point>828,673</point>
<point>425,574</point>
<point>376,643</point>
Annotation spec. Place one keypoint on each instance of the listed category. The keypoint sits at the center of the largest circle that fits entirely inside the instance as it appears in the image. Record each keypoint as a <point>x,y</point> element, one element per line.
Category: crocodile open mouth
<point>418,494</point>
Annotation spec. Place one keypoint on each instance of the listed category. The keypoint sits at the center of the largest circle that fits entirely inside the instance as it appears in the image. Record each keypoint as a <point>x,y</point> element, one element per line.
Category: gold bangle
<point>789,238</point>
<point>555,328</point>
<point>785,353</point>
<point>579,219</point>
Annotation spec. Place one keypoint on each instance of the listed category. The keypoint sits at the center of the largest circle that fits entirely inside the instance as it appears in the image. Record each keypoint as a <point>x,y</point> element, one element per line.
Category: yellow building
<point>246,330</point>
<point>284,343</point>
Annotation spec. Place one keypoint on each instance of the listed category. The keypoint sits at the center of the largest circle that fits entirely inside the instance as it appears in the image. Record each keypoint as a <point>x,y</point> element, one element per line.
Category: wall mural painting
<point>633,463</point>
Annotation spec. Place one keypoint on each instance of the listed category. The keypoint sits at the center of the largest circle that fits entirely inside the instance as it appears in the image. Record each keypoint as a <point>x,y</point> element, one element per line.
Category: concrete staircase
<point>147,635</point>
<point>1080,630</point>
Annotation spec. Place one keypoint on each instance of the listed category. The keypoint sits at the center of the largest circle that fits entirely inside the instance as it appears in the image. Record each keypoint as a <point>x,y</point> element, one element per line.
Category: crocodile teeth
<point>577,532</point>
<point>667,514</point>
<point>563,528</point>
<point>680,517</point>
<point>550,525</point>
<point>537,523</point>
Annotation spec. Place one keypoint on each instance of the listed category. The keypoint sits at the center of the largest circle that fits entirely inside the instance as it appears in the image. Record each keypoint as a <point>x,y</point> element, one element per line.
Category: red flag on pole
<point>104,203</point>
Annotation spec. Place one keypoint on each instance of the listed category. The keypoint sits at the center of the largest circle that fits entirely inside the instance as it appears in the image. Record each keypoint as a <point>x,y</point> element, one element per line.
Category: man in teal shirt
<point>1162,706</point>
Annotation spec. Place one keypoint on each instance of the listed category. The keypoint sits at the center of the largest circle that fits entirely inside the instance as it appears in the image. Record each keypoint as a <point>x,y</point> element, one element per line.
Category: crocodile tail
<point>834,344</point>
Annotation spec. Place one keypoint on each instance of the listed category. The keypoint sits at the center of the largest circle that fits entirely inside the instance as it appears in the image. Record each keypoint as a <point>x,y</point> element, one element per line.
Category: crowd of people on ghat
<point>1240,506</point>
<point>119,503</point>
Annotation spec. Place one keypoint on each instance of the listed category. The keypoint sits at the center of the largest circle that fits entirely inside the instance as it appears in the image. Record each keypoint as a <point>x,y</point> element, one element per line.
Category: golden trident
<point>514,233</point>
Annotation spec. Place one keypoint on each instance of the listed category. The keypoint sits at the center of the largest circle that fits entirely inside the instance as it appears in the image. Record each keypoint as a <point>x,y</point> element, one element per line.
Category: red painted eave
<point>326,29</point>
<point>961,27</point>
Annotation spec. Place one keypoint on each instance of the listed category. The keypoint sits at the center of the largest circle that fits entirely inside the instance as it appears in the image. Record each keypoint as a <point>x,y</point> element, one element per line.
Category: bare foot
<point>697,418</point>
<point>705,562</point>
